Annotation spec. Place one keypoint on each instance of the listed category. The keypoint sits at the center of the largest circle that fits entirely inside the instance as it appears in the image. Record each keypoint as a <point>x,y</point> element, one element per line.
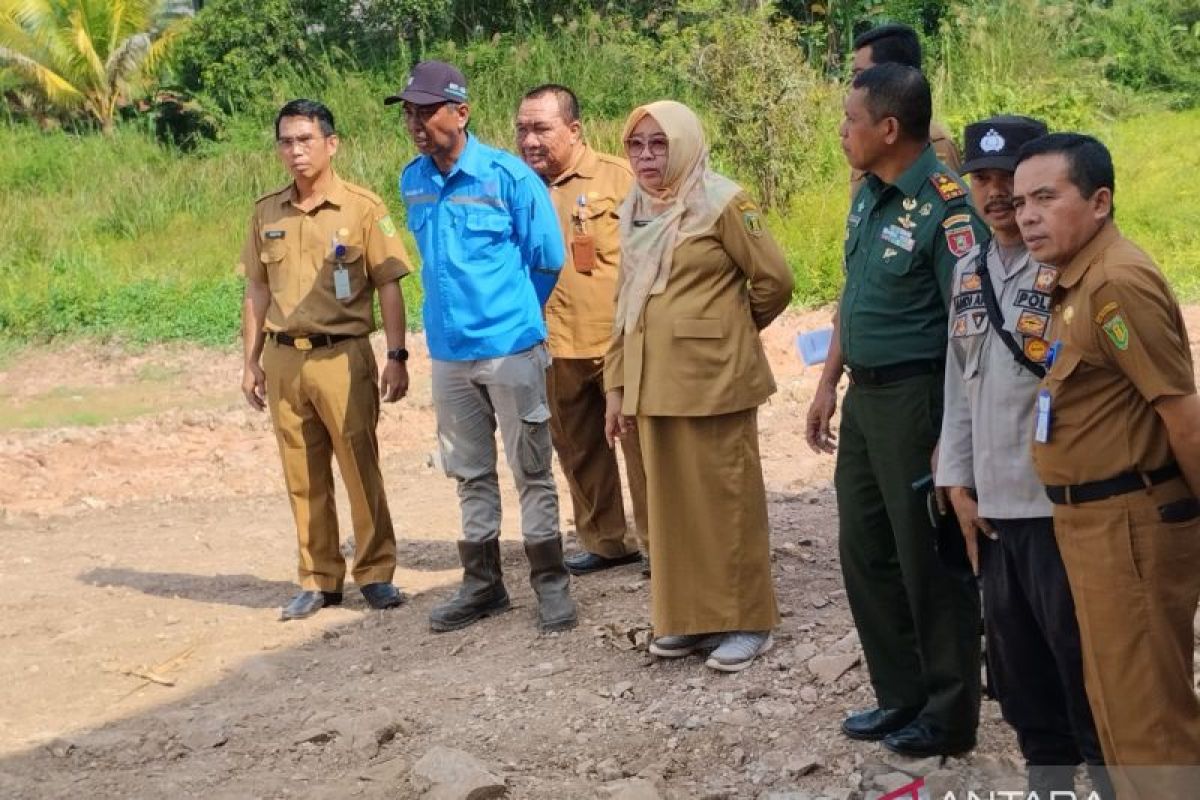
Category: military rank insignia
<point>947,187</point>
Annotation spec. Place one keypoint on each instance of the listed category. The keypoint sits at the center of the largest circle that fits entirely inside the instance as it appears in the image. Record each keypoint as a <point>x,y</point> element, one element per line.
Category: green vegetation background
<point>121,236</point>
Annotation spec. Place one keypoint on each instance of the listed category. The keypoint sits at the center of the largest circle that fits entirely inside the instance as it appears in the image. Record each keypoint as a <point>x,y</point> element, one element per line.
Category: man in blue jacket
<point>491,250</point>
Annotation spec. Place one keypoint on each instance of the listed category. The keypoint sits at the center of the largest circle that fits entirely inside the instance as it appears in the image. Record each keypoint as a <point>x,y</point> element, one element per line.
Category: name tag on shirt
<point>1041,433</point>
<point>899,237</point>
<point>341,283</point>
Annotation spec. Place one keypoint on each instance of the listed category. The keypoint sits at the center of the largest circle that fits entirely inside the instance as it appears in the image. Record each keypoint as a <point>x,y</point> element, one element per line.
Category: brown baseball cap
<point>432,82</point>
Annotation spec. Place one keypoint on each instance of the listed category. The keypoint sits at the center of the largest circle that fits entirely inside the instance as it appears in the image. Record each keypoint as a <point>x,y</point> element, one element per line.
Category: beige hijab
<point>691,200</point>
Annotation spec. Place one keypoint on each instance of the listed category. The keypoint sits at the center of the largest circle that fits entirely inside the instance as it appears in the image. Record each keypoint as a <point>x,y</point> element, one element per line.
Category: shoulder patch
<point>956,220</point>
<point>387,227</point>
<point>947,188</point>
<point>1117,331</point>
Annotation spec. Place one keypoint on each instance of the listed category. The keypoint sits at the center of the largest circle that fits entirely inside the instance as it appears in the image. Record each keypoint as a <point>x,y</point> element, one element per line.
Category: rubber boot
<point>482,591</point>
<point>552,584</point>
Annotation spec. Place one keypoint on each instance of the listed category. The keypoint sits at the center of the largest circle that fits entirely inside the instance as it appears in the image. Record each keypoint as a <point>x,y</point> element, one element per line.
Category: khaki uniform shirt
<point>293,253</point>
<point>943,145</point>
<point>987,426</point>
<point>1122,346</point>
<point>579,314</point>
<point>696,350</point>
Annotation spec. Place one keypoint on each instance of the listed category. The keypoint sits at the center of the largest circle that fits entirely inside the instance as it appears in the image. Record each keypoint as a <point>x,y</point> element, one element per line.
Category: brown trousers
<point>1136,582</point>
<point>325,402</point>
<point>576,391</point>
<point>709,538</point>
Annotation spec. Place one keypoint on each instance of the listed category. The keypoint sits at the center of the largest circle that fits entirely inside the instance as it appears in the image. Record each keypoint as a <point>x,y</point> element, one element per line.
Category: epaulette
<point>362,191</point>
<point>614,161</point>
<point>947,188</point>
<point>272,193</point>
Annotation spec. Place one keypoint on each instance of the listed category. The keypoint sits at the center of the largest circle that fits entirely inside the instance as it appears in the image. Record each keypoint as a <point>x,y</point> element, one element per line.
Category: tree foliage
<point>92,55</point>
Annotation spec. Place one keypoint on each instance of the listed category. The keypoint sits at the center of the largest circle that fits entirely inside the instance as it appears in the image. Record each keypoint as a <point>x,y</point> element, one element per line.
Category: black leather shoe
<point>382,595</point>
<point>922,738</point>
<point>308,603</point>
<point>585,562</point>
<point>873,725</point>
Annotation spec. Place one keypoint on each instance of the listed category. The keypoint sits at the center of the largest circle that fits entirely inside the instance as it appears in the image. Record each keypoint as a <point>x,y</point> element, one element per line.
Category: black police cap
<point>993,143</point>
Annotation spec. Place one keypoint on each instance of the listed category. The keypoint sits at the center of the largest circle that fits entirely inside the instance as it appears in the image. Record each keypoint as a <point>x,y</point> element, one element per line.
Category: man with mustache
<point>1117,444</point>
<point>995,359</point>
<point>917,616</point>
<point>586,187</point>
<point>491,252</point>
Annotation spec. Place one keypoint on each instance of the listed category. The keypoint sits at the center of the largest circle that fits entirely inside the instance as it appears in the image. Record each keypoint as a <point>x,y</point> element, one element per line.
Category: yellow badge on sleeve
<point>753,222</point>
<point>387,226</point>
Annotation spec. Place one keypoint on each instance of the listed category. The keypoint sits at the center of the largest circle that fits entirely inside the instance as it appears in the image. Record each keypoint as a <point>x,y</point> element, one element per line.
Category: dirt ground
<point>148,546</point>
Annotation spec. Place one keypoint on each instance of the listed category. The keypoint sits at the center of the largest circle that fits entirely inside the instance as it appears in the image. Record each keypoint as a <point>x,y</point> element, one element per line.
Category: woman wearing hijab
<point>700,277</point>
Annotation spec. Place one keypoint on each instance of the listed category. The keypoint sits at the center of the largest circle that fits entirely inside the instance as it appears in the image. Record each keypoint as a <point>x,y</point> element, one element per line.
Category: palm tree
<point>85,54</point>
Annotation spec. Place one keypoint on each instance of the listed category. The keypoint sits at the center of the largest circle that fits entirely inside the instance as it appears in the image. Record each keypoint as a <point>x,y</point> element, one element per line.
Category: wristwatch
<point>399,354</point>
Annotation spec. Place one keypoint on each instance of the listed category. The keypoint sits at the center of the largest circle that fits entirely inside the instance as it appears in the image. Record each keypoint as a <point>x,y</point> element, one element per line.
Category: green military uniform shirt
<point>902,243</point>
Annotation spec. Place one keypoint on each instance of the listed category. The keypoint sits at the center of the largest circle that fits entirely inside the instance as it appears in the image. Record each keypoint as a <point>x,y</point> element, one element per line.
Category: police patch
<point>1117,331</point>
<point>1034,301</point>
<point>971,282</point>
<point>387,226</point>
<point>960,239</point>
<point>946,186</point>
<point>1046,280</point>
<point>753,222</point>
<point>1031,323</point>
<point>960,327</point>
<point>1036,349</point>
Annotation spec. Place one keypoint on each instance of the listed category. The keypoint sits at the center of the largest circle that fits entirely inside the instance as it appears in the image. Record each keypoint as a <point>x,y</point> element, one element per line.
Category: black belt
<point>1124,483</point>
<point>878,376</point>
<point>312,340</point>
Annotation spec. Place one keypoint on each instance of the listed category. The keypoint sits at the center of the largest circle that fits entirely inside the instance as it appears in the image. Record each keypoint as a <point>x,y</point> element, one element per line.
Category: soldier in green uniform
<point>908,225</point>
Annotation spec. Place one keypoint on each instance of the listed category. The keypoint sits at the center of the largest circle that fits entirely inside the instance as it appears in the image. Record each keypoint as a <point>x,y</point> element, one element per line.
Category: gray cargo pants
<point>470,398</point>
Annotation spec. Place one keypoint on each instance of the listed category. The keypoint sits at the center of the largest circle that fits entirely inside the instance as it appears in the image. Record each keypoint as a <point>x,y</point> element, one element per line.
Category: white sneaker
<point>683,644</point>
<point>738,650</point>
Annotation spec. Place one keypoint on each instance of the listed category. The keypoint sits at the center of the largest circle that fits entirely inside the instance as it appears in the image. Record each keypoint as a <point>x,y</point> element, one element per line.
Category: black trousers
<point>1033,646</point>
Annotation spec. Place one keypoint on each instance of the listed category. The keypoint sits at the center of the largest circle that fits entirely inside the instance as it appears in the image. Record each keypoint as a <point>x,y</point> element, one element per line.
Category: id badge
<point>1041,433</point>
<point>341,282</point>
<point>583,252</point>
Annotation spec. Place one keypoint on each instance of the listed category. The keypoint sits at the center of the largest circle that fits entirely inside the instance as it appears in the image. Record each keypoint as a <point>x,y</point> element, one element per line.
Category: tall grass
<point>121,237</point>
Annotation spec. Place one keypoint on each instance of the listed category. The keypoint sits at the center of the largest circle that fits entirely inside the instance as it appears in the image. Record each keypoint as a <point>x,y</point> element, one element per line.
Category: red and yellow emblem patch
<point>1036,349</point>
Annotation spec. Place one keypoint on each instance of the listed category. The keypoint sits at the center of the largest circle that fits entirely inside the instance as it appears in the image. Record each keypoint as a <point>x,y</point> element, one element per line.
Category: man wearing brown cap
<point>318,251</point>
<point>1117,444</point>
<point>996,356</point>
<point>491,252</point>
<point>586,188</point>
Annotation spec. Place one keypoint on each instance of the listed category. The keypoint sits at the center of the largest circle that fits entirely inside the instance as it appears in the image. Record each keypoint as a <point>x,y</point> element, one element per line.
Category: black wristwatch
<point>399,354</point>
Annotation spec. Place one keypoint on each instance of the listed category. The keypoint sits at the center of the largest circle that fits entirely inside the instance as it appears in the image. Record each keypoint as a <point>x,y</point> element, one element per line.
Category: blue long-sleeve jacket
<point>491,250</point>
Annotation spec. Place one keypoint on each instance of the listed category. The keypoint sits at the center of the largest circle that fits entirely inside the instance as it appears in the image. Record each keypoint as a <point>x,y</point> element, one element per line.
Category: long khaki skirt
<point>709,541</point>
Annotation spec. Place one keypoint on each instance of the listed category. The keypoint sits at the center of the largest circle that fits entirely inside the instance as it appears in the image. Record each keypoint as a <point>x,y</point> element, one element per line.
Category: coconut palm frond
<point>56,88</point>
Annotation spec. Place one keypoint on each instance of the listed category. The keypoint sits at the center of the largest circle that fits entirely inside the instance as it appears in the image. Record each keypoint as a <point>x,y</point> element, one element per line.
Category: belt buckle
<point>302,343</point>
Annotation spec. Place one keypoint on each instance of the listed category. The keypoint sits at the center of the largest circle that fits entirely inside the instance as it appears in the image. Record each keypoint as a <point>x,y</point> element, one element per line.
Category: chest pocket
<point>352,260</point>
<point>418,216</point>
<point>1066,363</point>
<point>481,231</point>
<point>272,254</point>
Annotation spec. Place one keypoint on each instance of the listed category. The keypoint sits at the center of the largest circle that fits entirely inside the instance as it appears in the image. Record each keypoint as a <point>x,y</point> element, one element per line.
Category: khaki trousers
<point>325,402</point>
<point>1136,582</point>
<point>709,538</point>
<point>576,391</point>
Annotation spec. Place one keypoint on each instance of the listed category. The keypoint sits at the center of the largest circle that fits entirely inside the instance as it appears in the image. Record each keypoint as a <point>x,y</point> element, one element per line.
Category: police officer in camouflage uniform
<point>908,225</point>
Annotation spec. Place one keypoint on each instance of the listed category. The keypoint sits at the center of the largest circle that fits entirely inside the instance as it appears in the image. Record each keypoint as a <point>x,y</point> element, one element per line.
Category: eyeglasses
<point>656,146</point>
<point>305,143</point>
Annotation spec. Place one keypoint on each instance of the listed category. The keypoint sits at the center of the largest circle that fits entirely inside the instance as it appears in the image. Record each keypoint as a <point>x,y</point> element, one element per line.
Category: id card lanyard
<point>341,275</point>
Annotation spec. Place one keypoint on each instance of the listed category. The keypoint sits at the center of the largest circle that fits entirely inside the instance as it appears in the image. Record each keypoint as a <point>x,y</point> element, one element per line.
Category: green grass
<point>121,238</point>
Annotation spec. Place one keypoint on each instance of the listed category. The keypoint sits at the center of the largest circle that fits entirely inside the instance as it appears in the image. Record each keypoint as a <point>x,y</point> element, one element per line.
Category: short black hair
<point>893,43</point>
<point>310,109</point>
<point>1089,164</point>
<point>896,90</point>
<point>568,103</point>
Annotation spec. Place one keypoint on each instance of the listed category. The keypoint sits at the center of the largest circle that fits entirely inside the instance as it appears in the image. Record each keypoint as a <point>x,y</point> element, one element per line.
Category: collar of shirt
<point>583,166</point>
<point>1090,254</point>
<point>912,179</point>
<point>336,196</point>
<point>471,161</point>
<point>1007,271</point>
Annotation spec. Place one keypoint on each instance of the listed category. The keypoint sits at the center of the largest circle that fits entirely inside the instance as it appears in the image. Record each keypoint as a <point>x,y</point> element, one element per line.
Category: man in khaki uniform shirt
<point>316,253</point>
<point>898,44</point>
<point>586,188</point>
<point>1117,444</point>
